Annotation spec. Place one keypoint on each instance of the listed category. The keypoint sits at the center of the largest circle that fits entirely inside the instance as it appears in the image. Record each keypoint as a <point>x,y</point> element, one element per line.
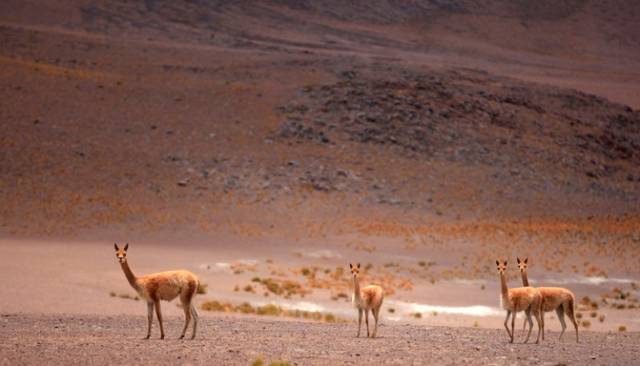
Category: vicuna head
<point>354,269</point>
<point>502,267</point>
<point>522,265</point>
<point>121,253</point>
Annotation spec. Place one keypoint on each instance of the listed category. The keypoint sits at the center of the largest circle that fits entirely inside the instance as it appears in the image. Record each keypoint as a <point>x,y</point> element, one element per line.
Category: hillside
<point>156,113</point>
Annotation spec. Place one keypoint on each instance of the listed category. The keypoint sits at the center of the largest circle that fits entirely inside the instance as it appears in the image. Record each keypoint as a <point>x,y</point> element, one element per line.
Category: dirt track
<point>95,340</point>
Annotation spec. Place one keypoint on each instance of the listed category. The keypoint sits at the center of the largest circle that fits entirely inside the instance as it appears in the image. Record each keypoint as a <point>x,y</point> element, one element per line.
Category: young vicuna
<point>365,299</point>
<point>163,286</point>
<point>553,298</point>
<point>513,300</point>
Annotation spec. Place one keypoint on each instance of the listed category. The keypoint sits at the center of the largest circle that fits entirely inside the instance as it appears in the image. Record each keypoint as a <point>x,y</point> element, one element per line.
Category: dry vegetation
<point>270,310</point>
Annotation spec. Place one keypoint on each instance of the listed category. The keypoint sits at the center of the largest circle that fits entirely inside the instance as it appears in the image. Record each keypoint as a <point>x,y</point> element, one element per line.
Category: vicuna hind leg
<point>359,321</point>
<point>375,312</point>
<point>538,314</point>
<point>194,314</point>
<point>366,318</point>
<point>528,319</point>
<point>542,323</point>
<point>524,325</point>
<point>569,309</point>
<point>149,318</point>
<point>185,299</point>
<point>560,313</point>
<point>513,324</point>
<point>187,318</point>
<point>159,314</point>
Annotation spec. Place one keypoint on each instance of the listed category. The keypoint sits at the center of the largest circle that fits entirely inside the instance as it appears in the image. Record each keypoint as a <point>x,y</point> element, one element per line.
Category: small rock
<point>183,182</point>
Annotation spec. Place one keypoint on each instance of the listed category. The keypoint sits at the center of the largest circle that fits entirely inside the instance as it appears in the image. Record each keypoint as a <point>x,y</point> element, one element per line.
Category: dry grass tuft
<point>270,310</point>
<point>124,296</point>
<point>279,363</point>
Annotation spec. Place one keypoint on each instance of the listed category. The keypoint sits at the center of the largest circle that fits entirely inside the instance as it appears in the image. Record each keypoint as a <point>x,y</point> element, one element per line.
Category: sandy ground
<point>77,277</point>
<point>100,339</point>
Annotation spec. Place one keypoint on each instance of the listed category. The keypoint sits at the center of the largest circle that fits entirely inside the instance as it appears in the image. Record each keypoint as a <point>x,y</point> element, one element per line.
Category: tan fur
<point>163,286</point>
<point>559,299</point>
<point>369,298</point>
<point>527,299</point>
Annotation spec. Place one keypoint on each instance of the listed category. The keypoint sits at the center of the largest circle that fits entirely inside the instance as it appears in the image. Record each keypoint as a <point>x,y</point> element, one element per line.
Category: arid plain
<point>266,145</point>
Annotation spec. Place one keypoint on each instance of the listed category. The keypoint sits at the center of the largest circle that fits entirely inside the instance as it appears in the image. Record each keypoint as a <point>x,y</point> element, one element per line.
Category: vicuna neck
<point>503,285</point>
<point>525,278</point>
<point>356,287</point>
<point>130,276</point>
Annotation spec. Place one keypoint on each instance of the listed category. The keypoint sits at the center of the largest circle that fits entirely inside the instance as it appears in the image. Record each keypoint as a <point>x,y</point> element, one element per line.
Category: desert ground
<point>265,145</point>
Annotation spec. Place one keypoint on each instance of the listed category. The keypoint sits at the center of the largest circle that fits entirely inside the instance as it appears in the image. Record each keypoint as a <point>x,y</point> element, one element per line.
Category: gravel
<point>228,340</point>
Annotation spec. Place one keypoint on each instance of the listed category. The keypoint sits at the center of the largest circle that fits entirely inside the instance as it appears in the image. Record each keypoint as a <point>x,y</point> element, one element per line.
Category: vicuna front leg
<point>159,314</point>
<point>506,322</point>
<point>149,319</point>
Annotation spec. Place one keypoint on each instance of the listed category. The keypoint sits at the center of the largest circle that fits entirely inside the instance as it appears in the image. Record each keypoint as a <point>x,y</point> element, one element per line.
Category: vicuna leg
<point>538,314</point>
<point>149,319</point>
<point>359,321</point>
<point>194,314</point>
<point>513,324</point>
<point>569,309</point>
<point>187,318</point>
<point>505,323</point>
<point>185,299</point>
<point>528,319</point>
<point>159,314</point>
<point>366,318</point>
<point>560,313</point>
<point>524,325</point>
<point>542,323</point>
<point>375,317</point>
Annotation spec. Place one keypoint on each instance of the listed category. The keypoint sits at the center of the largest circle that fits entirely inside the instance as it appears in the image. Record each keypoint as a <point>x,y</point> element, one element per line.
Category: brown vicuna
<point>365,299</point>
<point>163,286</point>
<point>553,298</point>
<point>526,299</point>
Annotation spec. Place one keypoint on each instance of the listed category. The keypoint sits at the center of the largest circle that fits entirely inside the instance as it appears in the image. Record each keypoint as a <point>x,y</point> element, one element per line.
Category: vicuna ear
<point>350,265</point>
<point>525,260</point>
<point>497,262</point>
<point>518,259</point>
<point>115,246</point>
<point>126,247</point>
<point>505,263</point>
<point>358,265</point>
